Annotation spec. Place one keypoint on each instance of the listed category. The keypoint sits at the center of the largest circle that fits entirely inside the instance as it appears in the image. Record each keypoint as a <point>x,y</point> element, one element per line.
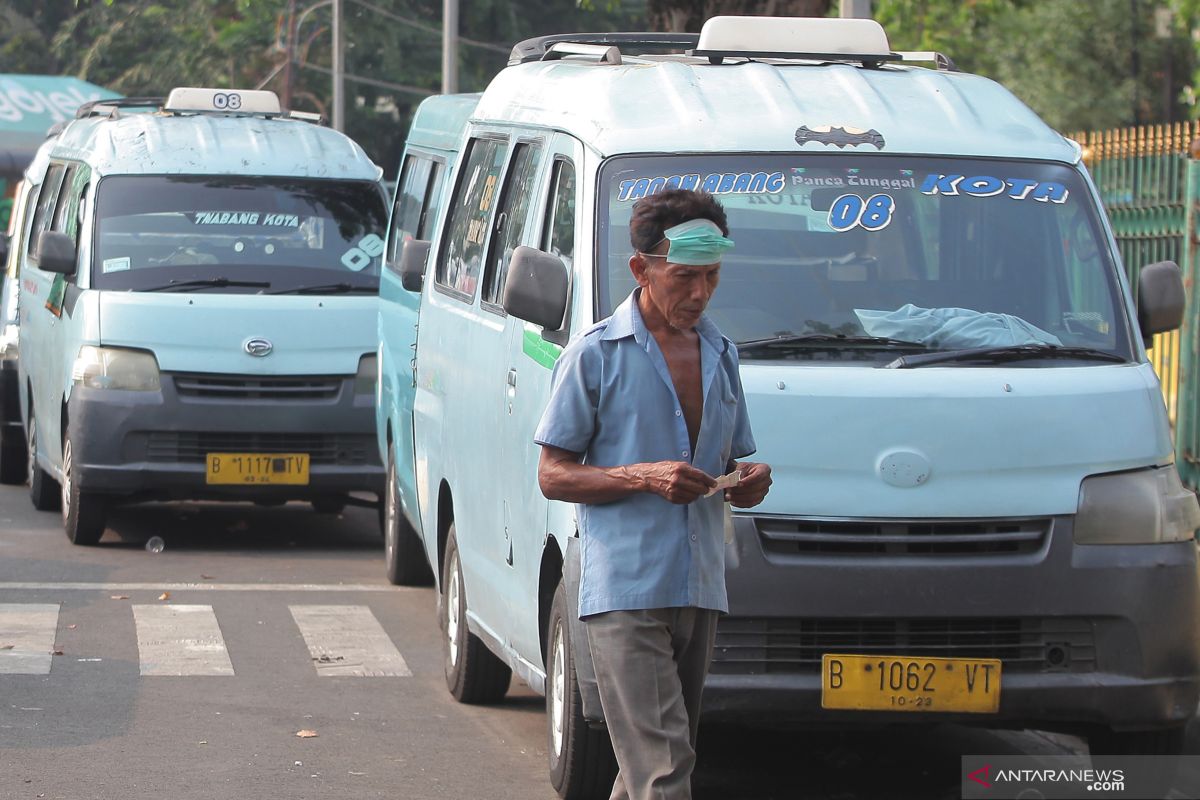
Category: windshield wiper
<point>204,283</point>
<point>327,288</point>
<point>825,340</point>
<point>995,355</point>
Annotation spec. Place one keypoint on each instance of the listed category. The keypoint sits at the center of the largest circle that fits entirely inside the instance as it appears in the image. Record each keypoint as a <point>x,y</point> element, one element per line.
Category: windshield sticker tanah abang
<point>245,218</point>
<point>713,183</point>
<point>115,265</point>
<point>989,186</point>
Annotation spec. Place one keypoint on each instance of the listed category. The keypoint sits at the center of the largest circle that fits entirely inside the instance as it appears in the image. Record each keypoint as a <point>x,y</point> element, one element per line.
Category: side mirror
<point>413,255</point>
<point>536,288</point>
<point>1160,298</point>
<point>55,253</point>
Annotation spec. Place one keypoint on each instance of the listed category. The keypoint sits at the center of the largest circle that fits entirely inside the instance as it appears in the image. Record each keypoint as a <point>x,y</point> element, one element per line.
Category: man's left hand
<point>750,491</point>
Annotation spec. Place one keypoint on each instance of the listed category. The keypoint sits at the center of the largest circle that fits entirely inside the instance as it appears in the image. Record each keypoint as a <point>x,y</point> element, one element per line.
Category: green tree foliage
<point>1100,64</point>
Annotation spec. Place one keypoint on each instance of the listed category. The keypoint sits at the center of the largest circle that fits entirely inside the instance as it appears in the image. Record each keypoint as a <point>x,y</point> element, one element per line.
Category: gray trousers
<point>650,669</point>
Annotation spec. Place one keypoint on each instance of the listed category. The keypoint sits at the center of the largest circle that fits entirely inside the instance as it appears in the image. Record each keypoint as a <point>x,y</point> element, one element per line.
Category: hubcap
<point>452,600</point>
<point>32,448</point>
<point>389,515</point>
<point>558,688</point>
<point>66,481</point>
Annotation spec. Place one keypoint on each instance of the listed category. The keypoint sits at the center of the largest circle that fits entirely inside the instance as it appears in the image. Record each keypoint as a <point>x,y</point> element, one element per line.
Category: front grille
<point>786,536</point>
<point>754,646</point>
<point>242,388</point>
<point>192,447</point>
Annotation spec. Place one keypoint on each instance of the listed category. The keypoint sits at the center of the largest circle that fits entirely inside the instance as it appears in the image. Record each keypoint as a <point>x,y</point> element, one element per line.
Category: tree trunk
<point>689,15</point>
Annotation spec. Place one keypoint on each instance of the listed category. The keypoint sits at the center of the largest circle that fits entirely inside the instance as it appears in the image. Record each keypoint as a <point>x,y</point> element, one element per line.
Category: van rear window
<point>238,234</point>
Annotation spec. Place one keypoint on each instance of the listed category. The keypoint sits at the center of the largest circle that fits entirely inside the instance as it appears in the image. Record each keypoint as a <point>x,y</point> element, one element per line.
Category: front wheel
<point>43,490</point>
<point>83,512</point>
<point>474,674</point>
<point>582,764</point>
<point>403,552</point>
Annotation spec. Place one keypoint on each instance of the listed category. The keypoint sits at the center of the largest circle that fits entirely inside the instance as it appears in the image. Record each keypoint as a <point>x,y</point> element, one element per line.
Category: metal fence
<point>1149,184</point>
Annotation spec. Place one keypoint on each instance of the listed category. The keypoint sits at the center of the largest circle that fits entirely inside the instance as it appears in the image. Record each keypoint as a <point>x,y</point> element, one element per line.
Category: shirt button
<point>678,413</point>
<point>693,537</point>
<point>685,453</point>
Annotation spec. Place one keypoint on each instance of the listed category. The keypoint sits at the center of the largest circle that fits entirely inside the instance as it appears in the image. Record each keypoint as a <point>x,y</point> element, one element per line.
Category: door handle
<point>512,378</point>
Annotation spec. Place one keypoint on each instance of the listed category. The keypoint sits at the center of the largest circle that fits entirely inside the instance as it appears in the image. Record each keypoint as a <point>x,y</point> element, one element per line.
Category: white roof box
<point>222,101</point>
<point>794,37</point>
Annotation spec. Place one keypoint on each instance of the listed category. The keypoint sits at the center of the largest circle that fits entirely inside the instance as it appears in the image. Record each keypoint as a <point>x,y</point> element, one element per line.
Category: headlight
<point>116,368</point>
<point>364,381</point>
<point>1147,506</point>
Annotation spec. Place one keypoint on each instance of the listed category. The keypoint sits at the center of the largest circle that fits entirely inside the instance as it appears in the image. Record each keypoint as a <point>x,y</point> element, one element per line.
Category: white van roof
<point>165,143</point>
<point>679,103</point>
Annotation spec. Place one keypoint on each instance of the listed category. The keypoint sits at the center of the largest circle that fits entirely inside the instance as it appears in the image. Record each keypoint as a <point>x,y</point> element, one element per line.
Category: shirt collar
<point>627,320</point>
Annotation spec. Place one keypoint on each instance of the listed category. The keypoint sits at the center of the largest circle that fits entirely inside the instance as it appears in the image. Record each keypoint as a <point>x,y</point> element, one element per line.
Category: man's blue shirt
<point>612,399</point>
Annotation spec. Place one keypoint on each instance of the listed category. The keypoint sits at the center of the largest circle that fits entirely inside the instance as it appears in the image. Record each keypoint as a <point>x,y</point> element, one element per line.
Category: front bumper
<point>1088,635</point>
<point>152,445</point>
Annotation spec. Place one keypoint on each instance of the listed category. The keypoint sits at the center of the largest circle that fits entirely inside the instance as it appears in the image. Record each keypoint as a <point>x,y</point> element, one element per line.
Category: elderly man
<point>646,413</point>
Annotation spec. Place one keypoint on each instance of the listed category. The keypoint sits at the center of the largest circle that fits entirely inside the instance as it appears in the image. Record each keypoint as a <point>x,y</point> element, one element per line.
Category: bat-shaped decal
<point>841,137</point>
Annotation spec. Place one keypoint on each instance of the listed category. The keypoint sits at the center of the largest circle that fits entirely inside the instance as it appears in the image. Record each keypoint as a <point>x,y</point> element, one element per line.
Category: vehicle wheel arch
<point>549,575</point>
<point>445,517</point>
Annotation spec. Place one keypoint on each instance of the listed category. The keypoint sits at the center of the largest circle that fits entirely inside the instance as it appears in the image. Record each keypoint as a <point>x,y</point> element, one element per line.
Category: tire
<point>403,551</point>
<point>474,674</point>
<point>582,764</point>
<point>1108,748</point>
<point>44,491</point>
<point>1163,742</point>
<point>83,512</point>
<point>329,504</point>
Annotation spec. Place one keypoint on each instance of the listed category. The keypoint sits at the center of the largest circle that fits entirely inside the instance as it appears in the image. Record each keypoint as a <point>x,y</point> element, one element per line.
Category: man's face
<point>680,292</point>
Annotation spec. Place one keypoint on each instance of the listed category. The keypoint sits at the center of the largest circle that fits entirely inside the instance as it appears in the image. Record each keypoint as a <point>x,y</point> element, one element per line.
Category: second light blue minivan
<point>198,309</point>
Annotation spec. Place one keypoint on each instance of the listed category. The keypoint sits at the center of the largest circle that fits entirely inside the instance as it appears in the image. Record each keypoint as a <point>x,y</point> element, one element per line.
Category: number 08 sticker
<point>873,214</point>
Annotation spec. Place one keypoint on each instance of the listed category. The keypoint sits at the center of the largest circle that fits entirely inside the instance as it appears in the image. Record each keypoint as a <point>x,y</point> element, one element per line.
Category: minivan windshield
<point>861,260</point>
<point>238,234</point>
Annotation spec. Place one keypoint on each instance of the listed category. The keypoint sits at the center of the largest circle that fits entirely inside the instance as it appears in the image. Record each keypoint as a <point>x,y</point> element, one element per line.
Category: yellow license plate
<point>900,683</point>
<point>257,468</point>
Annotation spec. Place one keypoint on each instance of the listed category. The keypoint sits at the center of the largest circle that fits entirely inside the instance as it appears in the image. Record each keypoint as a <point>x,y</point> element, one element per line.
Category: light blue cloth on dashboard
<point>952,328</point>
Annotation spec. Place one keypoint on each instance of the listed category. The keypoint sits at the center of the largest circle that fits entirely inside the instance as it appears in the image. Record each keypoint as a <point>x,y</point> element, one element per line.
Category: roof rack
<point>111,108</point>
<point>537,48</point>
<point>943,62</point>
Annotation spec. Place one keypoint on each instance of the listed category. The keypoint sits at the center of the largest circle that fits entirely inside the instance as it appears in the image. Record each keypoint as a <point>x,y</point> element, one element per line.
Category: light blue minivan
<point>198,309</point>
<point>975,516</point>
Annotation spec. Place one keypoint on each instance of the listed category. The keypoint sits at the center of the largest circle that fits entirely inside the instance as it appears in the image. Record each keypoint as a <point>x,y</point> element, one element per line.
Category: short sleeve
<point>569,421</point>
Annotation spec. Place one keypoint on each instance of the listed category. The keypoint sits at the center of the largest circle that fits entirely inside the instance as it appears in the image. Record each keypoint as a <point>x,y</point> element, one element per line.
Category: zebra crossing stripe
<point>180,640</point>
<point>348,641</point>
<point>27,632</point>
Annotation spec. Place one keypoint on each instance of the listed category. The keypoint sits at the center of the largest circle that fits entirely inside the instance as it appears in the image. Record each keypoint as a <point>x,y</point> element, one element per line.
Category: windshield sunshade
<point>940,254</point>
<point>238,234</point>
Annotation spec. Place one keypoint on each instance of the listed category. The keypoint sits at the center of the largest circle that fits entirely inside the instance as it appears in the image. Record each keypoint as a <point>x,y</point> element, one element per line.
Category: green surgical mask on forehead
<point>696,242</point>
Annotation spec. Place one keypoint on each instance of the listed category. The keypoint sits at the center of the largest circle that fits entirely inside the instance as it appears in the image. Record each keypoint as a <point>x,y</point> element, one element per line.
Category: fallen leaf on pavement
<point>165,596</point>
<point>7,646</point>
<point>306,734</point>
<point>119,597</point>
<point>206,577</point>
<point>56,653</point>
<point>71,627</point>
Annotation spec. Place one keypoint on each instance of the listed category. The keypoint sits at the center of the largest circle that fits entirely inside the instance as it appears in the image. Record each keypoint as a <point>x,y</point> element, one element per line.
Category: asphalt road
<point>258,609</point>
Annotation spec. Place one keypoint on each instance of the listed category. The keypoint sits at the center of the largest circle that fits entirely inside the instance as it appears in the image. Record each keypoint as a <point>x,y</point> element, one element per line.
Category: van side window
<point>558,233</point>
<point>510,219</point>
<point>418,195</point>
<point>68,213</point>
<point>461,254</point>
<point>43,213</point>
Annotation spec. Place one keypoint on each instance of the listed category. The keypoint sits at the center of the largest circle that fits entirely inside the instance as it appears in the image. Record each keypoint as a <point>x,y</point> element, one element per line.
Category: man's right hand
<point>677,481</point>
